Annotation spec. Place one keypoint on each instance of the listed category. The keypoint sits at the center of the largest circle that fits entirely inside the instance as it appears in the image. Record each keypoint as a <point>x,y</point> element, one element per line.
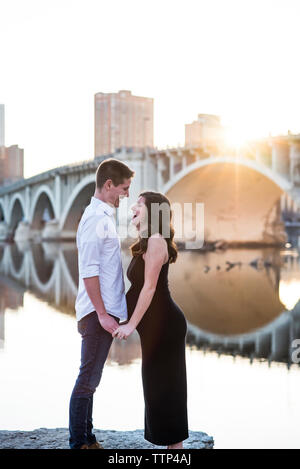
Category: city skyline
<point>235,61</point>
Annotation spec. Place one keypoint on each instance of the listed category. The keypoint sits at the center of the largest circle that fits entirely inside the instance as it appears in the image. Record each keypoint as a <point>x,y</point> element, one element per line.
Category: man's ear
<point>108,184</point>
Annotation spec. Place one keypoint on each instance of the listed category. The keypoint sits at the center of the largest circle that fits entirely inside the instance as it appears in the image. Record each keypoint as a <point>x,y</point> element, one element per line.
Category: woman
<point>159,321</point>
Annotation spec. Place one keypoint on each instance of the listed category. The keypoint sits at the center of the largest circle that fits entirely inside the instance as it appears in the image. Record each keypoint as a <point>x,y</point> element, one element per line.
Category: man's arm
<point>91,245</point>
<point>92,287</point>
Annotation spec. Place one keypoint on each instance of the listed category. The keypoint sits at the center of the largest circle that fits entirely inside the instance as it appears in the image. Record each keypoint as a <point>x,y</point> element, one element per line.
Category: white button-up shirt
<point>99,254</point>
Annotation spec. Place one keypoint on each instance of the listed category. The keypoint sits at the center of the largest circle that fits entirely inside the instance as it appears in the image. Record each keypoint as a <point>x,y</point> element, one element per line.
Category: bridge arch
<point>264,170</point>
<point>16,211</point>
<point>42,207</point>
<point>67,272</point>
<point>241,200</point>
<point>42,268</point>
<point>77,201</point>
<point>43,286</point>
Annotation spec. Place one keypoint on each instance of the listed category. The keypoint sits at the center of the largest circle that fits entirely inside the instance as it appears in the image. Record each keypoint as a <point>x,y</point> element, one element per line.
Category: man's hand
<point>122,332</point>
<point>108,323</point>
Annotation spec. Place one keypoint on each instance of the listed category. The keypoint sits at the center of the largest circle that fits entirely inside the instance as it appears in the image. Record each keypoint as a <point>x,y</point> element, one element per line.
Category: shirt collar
<point>108,209</point>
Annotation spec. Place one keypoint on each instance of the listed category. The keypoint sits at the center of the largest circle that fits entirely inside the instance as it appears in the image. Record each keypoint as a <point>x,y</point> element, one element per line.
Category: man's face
<point>115,192</point>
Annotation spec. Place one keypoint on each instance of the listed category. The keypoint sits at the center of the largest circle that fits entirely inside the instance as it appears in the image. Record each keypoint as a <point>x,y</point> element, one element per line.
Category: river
<point>243,313</point>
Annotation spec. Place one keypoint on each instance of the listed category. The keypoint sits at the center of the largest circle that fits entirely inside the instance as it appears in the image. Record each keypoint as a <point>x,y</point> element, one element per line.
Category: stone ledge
<point>57,438</point>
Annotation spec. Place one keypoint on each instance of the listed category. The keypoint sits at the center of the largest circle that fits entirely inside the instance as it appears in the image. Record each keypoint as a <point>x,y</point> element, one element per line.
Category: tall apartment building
<point>122,120</point>
<point>2,125</point>
<point>206,131</point>
<point>11,164</point>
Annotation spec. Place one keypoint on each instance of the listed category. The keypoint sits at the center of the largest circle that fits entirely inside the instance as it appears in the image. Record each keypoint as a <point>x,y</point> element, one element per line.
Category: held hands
<point>122,332</point>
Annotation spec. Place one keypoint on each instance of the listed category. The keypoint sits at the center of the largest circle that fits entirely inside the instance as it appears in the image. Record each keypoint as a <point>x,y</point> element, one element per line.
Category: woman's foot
<point>175,446</point>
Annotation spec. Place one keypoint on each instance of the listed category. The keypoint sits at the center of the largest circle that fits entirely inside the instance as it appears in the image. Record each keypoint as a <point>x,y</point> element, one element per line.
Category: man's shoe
<point>84,447</point>
<point>95,445</point>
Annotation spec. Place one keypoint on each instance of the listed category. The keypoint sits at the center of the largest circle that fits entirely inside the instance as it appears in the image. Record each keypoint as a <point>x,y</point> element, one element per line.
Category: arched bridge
<point>243,197</point>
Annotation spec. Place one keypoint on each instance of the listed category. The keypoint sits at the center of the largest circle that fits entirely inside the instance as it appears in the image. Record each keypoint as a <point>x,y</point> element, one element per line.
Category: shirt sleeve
<point>89,265</point>
<point>90,251</point>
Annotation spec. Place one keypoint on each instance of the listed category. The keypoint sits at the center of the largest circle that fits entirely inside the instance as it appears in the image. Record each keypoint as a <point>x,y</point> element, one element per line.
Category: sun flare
<point>236,136</point>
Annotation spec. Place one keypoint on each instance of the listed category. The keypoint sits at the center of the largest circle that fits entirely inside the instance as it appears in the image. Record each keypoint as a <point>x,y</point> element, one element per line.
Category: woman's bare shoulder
<point>157,240</point>
<point>157,244</point>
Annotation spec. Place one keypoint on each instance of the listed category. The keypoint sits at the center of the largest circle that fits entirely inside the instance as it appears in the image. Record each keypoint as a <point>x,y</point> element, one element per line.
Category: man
<point>101,301</point>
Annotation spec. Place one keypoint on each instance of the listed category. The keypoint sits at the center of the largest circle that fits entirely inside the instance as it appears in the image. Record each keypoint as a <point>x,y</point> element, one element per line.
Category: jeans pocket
<point>88,322</point>
<point>81,326</point>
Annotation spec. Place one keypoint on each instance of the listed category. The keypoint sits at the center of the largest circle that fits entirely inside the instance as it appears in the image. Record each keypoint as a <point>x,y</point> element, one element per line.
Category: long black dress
<point>162,331</point>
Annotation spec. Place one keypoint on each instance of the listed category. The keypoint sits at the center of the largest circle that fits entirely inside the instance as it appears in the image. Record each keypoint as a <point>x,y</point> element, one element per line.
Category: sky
<point>234,58</point>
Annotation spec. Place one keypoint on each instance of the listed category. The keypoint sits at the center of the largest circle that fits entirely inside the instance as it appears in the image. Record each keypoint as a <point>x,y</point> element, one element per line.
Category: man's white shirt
<point>99,254</point>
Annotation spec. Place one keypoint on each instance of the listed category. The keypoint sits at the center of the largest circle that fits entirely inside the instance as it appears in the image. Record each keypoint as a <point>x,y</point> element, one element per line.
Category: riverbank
<point>57,438</point>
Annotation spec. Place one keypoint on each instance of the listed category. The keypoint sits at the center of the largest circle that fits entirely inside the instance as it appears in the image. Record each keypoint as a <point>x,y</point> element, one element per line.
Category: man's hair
<point>113,169</point>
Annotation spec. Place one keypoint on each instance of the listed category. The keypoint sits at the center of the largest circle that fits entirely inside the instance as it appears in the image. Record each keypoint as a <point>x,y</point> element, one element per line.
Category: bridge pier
<point>175,163</point>
<point>23,231</point>
<point>27,203</point>
<point>149,171</point>
<point>281,158</point>
<point>4,231</point>
<point>51,230</point>
<point>57,195</point>
<point>161,168</point>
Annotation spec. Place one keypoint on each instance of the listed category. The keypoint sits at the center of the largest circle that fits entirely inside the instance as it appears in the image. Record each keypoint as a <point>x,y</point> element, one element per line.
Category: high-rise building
<point>122,120</point>
<point>11,164</point>
<point>2,125</point>
<point>206,132</point>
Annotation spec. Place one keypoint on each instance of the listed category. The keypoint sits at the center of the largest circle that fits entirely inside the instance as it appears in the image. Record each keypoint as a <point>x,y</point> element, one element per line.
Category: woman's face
<point>139,217</point>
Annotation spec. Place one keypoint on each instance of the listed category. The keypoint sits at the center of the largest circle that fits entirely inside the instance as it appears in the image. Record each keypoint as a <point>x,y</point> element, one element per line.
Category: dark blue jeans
<point>95,346</point>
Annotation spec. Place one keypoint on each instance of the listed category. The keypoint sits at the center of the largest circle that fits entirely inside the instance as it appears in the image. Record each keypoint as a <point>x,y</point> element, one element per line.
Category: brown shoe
<point>95,445</point>
<point>84,447</point>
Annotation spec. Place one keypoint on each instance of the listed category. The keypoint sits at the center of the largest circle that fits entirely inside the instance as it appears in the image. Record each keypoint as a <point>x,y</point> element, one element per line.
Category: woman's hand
<point>122,332</point>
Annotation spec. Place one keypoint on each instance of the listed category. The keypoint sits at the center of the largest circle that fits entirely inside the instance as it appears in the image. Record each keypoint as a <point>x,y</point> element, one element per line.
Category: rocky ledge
<point>57,438</point>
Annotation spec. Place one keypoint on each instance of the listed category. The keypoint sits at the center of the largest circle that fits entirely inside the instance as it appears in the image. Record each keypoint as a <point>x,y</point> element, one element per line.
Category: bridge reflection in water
<point>239,301</point>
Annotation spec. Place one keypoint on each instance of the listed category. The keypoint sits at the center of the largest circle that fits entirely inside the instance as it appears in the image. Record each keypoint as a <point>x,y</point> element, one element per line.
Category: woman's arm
<point>154,259</point>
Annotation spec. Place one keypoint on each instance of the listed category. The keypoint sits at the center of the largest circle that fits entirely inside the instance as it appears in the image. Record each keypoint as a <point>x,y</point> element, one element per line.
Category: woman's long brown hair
<point>140,246</point>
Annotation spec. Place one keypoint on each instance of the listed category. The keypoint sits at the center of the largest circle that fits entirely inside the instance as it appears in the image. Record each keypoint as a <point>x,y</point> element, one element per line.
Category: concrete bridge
<point>244,196</point>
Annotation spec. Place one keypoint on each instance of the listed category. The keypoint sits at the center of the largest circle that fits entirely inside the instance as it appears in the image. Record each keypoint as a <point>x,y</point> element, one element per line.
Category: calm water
<point>243,311</point>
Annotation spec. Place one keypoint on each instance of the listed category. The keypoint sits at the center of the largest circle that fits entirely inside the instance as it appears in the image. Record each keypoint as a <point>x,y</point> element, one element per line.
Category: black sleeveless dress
<point>162,331</point>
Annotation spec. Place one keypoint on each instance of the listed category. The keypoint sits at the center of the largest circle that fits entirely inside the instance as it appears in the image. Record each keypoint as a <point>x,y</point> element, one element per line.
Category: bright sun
<point>236,136</point>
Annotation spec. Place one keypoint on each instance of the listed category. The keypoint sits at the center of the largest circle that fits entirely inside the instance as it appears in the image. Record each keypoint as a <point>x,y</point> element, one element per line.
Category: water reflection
<point>238,301</point>
<point>44,264</point>
<point>228,293</point>
<point>16,258</point>
<point>11,297</point>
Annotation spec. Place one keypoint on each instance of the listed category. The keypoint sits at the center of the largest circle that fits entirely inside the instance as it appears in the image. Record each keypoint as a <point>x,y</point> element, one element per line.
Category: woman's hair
<point>159,221</point>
